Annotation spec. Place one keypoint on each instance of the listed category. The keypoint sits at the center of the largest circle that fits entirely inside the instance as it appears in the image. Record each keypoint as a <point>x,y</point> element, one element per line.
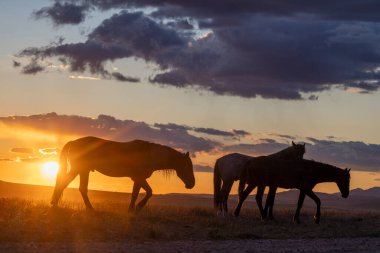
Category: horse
<point>301,174</point>
<point>136,159</point>
<point>228,168</point>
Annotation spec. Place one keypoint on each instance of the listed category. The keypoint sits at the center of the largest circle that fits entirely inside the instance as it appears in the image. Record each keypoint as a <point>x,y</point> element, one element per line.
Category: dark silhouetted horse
<point>228,168</point>
<point>136,159</point>
<point>301,174</point>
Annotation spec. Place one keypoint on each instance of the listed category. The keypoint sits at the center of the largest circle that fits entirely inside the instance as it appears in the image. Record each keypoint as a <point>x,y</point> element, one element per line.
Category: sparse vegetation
<point>30,220</point>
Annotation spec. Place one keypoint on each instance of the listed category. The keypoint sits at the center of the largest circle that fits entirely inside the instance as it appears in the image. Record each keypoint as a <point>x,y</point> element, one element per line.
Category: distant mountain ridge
<point>359,199</point>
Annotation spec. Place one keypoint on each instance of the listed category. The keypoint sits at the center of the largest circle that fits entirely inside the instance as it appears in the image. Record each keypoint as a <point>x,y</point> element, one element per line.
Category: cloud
<point>209,131</point>
<point>65,13</point>
<point>357,155</point>
<point>110,128</point>
<point>33,68</point>
<point>213,131</point>
<point>85,78</point>
<point>342,10</point>
<point>240,132</point>
<point>48,151</point>
<point>172,126</point>
<point>22,150</point>
<point>203,168</point>
<point>120,77</point>
<point>249,48</point>
<point>5,160</point>
<point>80,56</point>
<point>182,24</point>
<point>257,149</point>
<point>16,64</point>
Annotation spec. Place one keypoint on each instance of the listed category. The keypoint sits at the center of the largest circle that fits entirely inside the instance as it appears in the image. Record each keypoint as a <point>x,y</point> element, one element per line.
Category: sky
<point>240,76</point>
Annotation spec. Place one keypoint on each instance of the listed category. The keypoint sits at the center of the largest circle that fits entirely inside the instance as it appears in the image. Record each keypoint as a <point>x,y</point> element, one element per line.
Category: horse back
<point>97,154</point>
<point>230,166</point>
<point>278,172</point>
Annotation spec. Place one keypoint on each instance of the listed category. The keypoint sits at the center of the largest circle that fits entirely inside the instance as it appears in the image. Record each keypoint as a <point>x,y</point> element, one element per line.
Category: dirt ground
<point>269,245</point>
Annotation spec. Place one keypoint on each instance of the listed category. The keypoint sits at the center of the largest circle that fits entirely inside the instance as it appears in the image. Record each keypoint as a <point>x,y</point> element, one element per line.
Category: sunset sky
<point>237,76</point>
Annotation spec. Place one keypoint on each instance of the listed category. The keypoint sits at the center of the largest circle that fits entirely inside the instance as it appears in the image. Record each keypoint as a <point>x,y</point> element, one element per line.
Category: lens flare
<point>50,169</point>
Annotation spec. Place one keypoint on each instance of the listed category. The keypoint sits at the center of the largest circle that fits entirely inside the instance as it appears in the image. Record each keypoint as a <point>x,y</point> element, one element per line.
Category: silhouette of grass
<point>26,220</point>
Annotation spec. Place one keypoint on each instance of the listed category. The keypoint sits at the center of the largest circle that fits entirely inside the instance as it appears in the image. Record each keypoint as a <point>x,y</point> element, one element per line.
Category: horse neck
<point>167,159</point>
<point>285,153</point>
<point>327,173</point>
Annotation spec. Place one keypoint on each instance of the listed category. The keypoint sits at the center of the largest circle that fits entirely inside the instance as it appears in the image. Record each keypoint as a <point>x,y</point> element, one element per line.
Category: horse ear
<point>293,143</point>
<point>349,170</point>
<point>187,154</point>
<point>304,144</point>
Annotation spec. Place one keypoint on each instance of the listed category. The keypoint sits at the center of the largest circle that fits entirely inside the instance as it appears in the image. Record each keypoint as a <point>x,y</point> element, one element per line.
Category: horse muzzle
<point>189,186</point>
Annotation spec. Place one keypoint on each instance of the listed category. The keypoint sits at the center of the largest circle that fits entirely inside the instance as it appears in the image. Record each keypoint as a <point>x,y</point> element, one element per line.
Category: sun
<point>50,169</point>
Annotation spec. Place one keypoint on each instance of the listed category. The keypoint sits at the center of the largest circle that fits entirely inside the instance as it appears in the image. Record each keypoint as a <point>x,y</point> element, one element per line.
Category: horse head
<point>344,183</point>
<point>185,171</point>
<point>298,150</point>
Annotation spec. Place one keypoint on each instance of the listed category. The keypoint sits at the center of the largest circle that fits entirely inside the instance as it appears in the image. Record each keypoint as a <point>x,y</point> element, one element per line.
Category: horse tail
<point>61,175</point>
<point>217,185</point>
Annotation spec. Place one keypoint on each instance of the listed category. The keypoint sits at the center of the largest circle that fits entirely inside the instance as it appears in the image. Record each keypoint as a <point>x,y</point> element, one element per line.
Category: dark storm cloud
<point>65,13</point>
<point>272,49</point>
<point>337,10</point>
<point>182,24</point>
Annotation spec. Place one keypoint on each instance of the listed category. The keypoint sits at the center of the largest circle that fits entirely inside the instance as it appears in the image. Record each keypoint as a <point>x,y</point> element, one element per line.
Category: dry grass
<point>27,220</point>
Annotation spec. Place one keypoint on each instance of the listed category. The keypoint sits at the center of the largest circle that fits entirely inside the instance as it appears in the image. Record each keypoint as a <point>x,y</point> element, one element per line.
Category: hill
<point>359,199</point>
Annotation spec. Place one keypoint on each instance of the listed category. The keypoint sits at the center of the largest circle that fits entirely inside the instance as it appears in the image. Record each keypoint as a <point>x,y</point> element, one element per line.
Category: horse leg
<point>242,196</point>
<point>270,202</point>
<point>226,188</point>
<point>148,191</point>
<point>301,198</point>
<point>317,201</point>
<point>59,187</point>
<point>83,188</point>
<point>135,194</point>
<point>259,200</point>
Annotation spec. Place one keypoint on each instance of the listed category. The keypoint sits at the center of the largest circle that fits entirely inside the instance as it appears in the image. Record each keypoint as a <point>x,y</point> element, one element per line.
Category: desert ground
<point>28,224</point>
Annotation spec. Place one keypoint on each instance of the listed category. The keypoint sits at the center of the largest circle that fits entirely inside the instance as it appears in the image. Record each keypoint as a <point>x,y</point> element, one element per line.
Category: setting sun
<point>50,169</point>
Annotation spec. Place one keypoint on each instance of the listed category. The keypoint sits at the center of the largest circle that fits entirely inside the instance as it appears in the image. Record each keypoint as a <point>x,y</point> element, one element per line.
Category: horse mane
<point>282,153</point>
<point>167,172</point>
<point>323,166</point>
